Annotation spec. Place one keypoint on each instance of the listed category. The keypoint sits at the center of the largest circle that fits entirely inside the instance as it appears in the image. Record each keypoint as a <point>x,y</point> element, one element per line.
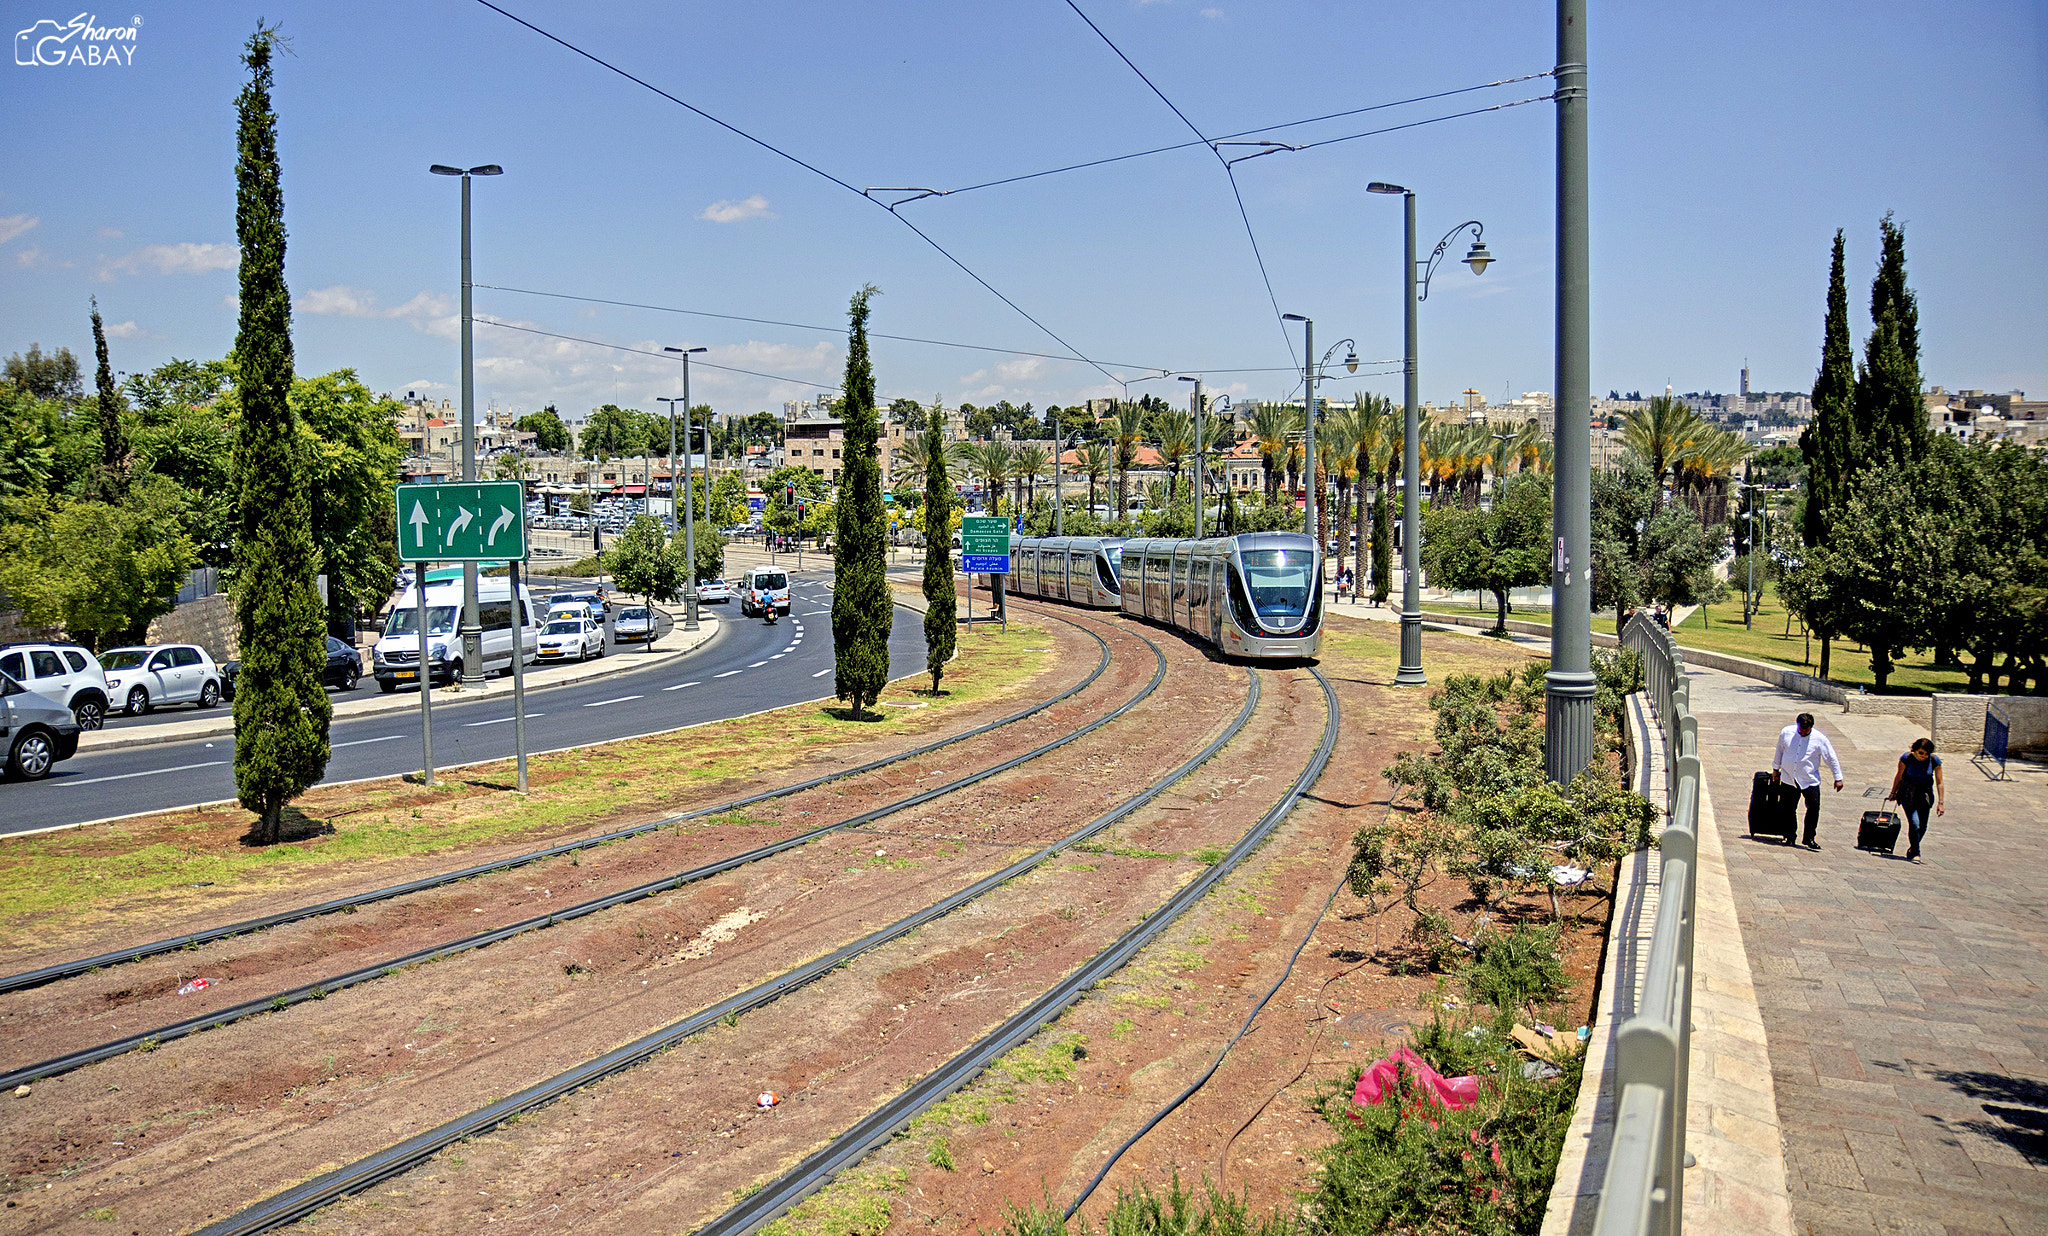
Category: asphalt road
<point>750,666</point>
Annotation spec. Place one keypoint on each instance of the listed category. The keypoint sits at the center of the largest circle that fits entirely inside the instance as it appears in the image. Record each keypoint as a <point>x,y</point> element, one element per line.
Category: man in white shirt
<point>1801,750</point>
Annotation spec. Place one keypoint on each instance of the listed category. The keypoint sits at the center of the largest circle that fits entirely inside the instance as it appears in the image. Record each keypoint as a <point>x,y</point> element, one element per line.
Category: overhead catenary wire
<point>813,169</point>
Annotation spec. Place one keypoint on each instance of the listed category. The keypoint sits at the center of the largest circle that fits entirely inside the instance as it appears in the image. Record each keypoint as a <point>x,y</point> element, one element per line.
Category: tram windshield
<point>1279,581</point>
<point>1116,557</point>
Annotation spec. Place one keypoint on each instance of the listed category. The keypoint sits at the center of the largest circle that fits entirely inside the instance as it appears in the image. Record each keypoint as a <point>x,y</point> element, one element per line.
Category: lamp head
<point>686,351</point>
<point>1351,361</point>
<point>1477,257</point>
<point>1381,186</point>
<point>1292,317</point>
<point>442,169</point>
<point>487,169</point>
<point>1186,378</point>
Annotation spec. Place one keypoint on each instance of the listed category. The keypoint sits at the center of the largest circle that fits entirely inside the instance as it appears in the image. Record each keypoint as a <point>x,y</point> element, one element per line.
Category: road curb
<point>222,723</point>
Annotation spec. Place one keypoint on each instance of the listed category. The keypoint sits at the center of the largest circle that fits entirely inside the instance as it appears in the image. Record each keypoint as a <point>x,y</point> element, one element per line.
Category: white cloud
<point>28,257</point>
<point>124,330</point>
<point>339,301</point>
<point>427,311</point>
<point>12,226</point>
<point>111,233</point>
<point>179,259</point>
<point>755,207</point>
<point>533,370</point>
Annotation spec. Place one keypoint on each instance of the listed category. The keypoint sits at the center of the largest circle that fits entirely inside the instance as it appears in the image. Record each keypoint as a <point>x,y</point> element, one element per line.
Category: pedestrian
<point>1801,749</point>
<point>1916,786</point>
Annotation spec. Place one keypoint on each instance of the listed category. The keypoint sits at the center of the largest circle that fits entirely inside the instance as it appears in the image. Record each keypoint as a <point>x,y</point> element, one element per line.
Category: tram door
<point>1217,567</point>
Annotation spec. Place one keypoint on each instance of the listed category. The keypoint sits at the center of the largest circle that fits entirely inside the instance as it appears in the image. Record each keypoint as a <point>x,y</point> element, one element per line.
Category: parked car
<point>634,625</point>
<point>344,669</point>
<point>37,730</point>
<point>146,677</point>
<point>66,673</point>
<point>714,590</point>
<point>571,637</point>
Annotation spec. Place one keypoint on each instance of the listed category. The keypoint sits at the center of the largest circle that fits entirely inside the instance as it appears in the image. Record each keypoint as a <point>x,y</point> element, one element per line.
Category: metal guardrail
<point>1643,1193</point>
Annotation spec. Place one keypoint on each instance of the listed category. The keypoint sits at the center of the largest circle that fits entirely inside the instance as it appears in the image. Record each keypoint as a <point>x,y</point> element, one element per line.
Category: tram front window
<point>1279,581</point>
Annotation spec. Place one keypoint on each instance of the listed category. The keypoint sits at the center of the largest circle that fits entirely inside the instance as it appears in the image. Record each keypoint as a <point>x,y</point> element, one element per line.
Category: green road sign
<point>984,534</point>
<point>468,521</point>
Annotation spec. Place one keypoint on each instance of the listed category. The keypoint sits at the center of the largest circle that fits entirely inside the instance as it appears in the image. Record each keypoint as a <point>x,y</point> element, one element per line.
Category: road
<point>750,666</point>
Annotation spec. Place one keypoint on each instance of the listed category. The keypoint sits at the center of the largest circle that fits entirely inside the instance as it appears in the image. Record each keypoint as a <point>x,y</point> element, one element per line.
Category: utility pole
<point>1410,672</point>
<point>689,496</point>
<point>1308,428</point>
<point>1569,686</point>
<point>1201,449</point>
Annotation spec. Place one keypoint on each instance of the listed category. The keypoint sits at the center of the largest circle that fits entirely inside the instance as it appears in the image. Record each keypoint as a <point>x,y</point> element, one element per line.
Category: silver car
<point>634,625</point>
<point>142,679</point>
<point>37,731</point>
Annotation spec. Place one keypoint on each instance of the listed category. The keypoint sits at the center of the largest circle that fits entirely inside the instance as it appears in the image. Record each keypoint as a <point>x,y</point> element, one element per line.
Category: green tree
<point>1831,446</point>
<point>352,451</point>
<point>45,375</point>
<point>861,609</point>
<point>1126,436</point>
<point>727,502</point>
<point>1891,420</point>
<point>1496,549</point>
<point>109,481</point>
<point>100,571</point>
<point>942,605</point>
<point>281,709</point>
<point>639,561</point>
<point>1660,435</point>
<point>613,431</point>
<point>1621,511</point>
<point>28,452</point>
<point>550,435</point>
<point>1678,556</point>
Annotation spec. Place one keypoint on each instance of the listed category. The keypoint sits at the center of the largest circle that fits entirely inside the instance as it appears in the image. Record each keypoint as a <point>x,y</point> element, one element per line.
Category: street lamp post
<point>1200,443</point>
<point>689,494</point>
<point>472,627</point>
<point>674,496</point>
<point>1308,428</point>
<point>1415,277</point>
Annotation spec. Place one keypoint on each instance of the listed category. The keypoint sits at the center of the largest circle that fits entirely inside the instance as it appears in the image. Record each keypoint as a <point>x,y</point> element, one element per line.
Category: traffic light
<point>789,494</point>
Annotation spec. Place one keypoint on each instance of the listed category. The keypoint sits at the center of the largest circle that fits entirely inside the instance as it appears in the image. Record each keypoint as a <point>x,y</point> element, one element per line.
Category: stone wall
<point>208,622</point>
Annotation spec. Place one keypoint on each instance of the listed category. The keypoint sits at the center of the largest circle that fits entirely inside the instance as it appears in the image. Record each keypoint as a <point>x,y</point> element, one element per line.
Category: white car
<point>714,590</point>
<point>571,637</point>
<point>66,673</point>
<point>143,679</point>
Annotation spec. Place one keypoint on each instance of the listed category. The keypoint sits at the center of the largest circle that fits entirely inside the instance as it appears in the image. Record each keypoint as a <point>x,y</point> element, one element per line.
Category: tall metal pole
<point>1569,686</point>
<point>419,590</point>
<point>1059,505</point>
<point>1410,673</point>
<point>1201,444</point>
<point>1308,437</point>
<point>519,625</point>
<point>689,507</point>
<point>472,627</point>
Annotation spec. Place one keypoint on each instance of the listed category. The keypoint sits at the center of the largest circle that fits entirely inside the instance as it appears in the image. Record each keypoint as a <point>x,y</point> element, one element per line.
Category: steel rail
<point>320,989</point>
<point>304,1199</point>
<point>882,1124</point>
<point>69,969</point>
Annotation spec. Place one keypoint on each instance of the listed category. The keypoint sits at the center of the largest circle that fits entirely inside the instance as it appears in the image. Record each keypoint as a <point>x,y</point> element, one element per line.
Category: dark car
<point>343,670</point>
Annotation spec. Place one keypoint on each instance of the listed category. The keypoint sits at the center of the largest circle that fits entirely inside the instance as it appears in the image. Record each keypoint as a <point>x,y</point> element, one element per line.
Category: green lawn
<point>1719,628</point>
<point>1604,623</point>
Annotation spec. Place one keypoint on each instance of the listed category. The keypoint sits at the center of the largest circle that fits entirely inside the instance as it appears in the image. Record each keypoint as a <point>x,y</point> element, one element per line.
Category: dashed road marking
<point>821,673</point>
<point>728,673</point>
<point>470,725</point>
<point>623,699</point>
<point>679,686</point>
<point>757,665</point>
<point>359,742</point>
<point>180,768</point>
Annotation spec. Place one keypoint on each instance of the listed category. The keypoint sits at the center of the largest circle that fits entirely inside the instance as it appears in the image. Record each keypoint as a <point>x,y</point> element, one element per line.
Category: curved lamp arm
<point>1477,256</point>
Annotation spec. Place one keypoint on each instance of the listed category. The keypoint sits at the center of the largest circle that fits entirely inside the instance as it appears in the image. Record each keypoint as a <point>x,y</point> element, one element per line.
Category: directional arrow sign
<point>462,521</point>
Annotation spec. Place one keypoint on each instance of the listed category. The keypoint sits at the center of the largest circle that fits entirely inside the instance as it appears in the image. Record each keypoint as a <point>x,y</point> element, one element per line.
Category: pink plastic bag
<point>1377,1082</point>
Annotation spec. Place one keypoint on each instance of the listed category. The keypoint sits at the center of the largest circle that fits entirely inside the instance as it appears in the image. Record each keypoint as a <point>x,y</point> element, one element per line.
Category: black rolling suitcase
<point>1878,831</point>
<point>1773,808</point>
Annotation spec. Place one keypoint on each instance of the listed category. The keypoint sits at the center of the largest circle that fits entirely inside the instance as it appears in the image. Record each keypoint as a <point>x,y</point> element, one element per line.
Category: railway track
<point>320,989</point>
<point>70,969</point>
<point>880,1125</point>
<point>305,1199</point>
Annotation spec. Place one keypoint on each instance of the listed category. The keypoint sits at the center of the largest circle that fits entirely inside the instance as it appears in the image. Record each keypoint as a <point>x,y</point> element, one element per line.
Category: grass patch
<point>1774,639</point>
<point>1123,851</point>
<point>156,864</point>
<point>856,1204</point>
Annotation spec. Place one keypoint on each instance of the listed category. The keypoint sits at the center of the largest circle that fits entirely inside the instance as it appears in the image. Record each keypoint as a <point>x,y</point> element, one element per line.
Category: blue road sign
<point>985,564</point>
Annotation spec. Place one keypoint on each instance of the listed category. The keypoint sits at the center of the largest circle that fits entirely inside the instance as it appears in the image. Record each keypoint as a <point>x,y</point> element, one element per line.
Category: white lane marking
<point>728,673</point>
<point>470,725</point>
<point>813,614</point>
<point>821,673</point>
<point>623,699</point>
<point>778,656</point>
<point>148,773</point>
<point>679,686</point>
<point>757,665</point>
<point>364,741</point>
<point>791,648</point>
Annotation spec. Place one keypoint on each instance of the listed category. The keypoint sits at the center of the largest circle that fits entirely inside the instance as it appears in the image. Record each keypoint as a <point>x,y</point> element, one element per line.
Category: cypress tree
<point>861,610</point>
<point>942,604</point>
<point>1891,418</point>
<point>109,482</point>
<point>1830,444</point>
<point>281,710</point>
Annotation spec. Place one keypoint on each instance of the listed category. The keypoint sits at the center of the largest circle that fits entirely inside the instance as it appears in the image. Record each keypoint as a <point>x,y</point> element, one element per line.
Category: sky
<point>1728,143</point>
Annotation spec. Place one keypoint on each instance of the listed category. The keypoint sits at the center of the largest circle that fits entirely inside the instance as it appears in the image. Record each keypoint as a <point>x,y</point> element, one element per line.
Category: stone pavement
<point>1904,1005</point>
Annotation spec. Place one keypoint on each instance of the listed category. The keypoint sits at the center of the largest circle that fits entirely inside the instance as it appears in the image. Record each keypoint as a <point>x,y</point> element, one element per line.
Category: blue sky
<point>1728,140</point>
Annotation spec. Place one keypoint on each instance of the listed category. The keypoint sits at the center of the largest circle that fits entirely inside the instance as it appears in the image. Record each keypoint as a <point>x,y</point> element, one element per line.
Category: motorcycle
<point>768,610</point>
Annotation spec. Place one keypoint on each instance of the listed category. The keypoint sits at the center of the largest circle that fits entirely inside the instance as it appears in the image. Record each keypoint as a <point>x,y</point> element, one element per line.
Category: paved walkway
<point>1906,1006</point>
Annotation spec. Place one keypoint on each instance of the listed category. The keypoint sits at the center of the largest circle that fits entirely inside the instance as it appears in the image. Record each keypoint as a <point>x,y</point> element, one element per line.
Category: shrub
<point>1518,968</point>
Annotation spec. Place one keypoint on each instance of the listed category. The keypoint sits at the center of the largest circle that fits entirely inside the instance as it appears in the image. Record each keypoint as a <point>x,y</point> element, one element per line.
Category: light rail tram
<point>1257,596</point>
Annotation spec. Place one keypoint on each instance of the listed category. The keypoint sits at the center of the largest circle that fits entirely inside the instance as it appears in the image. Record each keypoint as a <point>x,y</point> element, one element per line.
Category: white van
<point>396,659</point>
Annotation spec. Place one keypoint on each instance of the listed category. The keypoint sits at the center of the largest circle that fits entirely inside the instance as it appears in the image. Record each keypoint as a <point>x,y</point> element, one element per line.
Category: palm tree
<point>1031,462</point>
<point>1338,445</point>
<point>1176,444</point>
<point>1701,471</point>
<point>1128,431</point>
<point>1270,425</point>
<point>1658,434</point>
<point>1097,462</point>
<point>992,462</point>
